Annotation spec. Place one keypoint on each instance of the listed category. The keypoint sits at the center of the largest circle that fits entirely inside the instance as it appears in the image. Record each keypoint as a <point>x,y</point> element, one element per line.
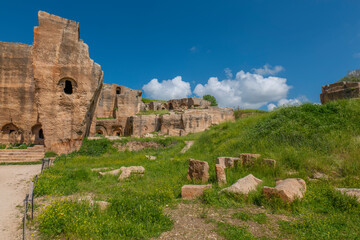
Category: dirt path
<point>14,184</point>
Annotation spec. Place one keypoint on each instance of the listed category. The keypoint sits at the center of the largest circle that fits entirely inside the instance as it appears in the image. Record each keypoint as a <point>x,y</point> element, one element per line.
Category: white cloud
<point>167,89</point>
<point>268,70</point>
<point>228,73</point>
<point>287,102</point>
<point>247,90</point>
<point>193,49</point>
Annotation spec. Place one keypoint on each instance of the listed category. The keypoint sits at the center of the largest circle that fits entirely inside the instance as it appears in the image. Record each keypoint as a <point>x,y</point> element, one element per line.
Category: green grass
<point>148,100</point>
<point>50,154</point>
<point>302,139</point>
<point>154,112</point>
<point>240,113</point>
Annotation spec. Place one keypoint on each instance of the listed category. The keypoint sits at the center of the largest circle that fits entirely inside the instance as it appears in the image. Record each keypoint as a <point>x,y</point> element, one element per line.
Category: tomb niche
<point>67,85</point>
<point>38,133</point>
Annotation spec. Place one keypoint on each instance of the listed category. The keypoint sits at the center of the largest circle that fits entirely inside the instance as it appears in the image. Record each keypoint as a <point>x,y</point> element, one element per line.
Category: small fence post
<point>32,196</point>
<point>25,214</point>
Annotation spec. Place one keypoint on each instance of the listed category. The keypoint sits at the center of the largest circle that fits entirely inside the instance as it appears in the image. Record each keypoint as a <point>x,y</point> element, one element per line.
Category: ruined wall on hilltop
<point>340,90</point>
<point>117,103</point>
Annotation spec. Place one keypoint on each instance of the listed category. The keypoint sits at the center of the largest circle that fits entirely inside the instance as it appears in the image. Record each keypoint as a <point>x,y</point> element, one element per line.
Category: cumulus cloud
<point>287,102</point>
<point>167,89</point>
<point>268,70</point>
<point>247,90</point>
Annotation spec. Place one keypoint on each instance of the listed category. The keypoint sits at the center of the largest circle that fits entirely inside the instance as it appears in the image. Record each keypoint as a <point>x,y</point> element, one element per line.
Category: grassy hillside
<point>303,140</point>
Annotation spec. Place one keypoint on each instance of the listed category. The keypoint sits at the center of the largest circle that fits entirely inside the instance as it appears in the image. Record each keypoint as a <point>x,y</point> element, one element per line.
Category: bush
<point>96,147</point>
<point>211,99</point>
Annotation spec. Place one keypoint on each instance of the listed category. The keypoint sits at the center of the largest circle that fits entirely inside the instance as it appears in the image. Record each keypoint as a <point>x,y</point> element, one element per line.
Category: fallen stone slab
<point>220,174</point>
<point>270,162</point>
<point>288,189</point>
<point>113,172</point>
<point>228,162</point>
<point>244,185</point>
<point>187,146</point>
<point>249,158</point>
<point>352,192</point>
<point>127,171</point>
<point>193,191</point>
<point>99,169</point>
<point>150,157</point>
<point>198,170</point>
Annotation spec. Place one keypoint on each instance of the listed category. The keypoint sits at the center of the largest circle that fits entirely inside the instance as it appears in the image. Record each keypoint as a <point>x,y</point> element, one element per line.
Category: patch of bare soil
<point>193,221</point>
<point>14,185</point>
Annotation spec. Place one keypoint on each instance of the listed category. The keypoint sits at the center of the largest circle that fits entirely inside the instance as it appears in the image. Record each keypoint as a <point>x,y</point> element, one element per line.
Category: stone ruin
<point>52,93</point>
<point>48,90</point>
<point>340,90</point>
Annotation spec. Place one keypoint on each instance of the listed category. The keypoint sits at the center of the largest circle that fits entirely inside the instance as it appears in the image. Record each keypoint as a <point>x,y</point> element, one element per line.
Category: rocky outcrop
<point>198,170</point>
<point>244,185</point>
<point>340,90</point>
<point>190,192</point>
<point>288,190</point>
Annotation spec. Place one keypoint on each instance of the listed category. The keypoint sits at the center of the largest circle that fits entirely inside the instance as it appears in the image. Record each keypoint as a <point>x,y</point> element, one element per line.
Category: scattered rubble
<point>150,157</point>
<point>228,162</point>
<point>353,192</point>
<point>127,171</point>
<point>193,191</point>
<point>249,158</point>
<point>220,174</point>
<point>198,170</point>
<point>244,185</point>
<point>137,145</point>
<point>187,146</point>
<point>288,189</point>
<point>270,162</point>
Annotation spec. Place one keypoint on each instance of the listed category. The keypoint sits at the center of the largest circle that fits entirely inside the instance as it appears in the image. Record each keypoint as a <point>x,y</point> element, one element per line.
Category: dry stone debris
<point>220,174</point>
<point>288,189</point>
<point>228,161</point>
<point>126,171</point>
<point>193,191</point>
<point>270,162</point>
<point>198,170</point>
<point>353,192</point>
<point>150,157</point>
<point>249,158</point>
<point>187,146</point>
<point>244,185</point>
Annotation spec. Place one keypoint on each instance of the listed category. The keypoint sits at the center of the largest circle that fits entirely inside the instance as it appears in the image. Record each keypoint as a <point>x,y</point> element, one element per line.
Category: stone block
<point>198,170</point>
<point>220,174</point>
<point>288,190</point>
<point>193,191</point>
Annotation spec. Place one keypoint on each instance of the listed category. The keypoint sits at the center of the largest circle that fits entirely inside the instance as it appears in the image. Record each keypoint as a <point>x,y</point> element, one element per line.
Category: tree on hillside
<point>352,76</point>
<point>211,99</point>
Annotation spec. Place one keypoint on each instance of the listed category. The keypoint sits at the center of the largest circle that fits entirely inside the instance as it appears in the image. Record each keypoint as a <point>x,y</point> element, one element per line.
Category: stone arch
<point>101,130</point>
<point>38,132</point>
<point>9,128</point>
<point>67,85</point>
<point>117,131</point>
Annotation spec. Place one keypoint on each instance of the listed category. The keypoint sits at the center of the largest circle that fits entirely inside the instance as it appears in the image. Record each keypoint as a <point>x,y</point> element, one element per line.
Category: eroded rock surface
<point>288,189</point>
<point>340,90</point>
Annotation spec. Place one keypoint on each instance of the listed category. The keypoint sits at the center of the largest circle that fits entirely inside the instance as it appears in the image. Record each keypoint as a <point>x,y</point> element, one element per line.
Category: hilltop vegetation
<point>303,140</point>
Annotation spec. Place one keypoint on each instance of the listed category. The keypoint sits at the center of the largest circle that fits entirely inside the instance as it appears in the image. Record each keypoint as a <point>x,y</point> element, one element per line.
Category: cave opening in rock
<point>118,90</point>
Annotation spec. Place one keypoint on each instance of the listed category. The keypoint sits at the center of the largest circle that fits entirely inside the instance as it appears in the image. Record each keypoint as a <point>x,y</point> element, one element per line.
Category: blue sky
<point>313,43</point>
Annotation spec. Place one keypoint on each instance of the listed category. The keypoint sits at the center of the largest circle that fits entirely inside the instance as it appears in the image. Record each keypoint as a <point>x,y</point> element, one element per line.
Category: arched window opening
<point>68,87</point>
<point>118,90</point>
<point>39,134</point>
<point>9,128</point>
<point>99,132</point>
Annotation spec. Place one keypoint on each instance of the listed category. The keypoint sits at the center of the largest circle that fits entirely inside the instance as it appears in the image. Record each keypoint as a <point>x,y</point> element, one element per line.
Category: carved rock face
<point>54,86</point>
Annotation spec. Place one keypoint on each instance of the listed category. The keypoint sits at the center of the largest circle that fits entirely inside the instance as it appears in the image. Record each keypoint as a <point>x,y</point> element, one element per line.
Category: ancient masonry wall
<point>49,91</point>
<point>340,90</point>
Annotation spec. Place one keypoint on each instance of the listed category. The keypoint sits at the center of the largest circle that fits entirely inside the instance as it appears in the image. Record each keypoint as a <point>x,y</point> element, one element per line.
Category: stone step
<point>31,154</point>
<point>21,153</point>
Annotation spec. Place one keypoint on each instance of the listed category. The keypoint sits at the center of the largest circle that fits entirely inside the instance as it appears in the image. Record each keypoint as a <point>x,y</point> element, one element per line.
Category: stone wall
<point>51,89</point>
<point>340,90</point>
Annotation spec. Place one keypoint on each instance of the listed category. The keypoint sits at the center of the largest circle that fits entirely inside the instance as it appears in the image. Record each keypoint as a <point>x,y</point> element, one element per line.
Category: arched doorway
<point>12,132</point>
<point>38,131</point>
<point>117,132</point>
<point>101,130</point>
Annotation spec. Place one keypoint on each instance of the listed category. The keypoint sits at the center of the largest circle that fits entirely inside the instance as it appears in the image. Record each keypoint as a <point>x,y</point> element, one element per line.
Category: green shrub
<point>211,99</point>
<point>95,147</point>
<point>50,154</point>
